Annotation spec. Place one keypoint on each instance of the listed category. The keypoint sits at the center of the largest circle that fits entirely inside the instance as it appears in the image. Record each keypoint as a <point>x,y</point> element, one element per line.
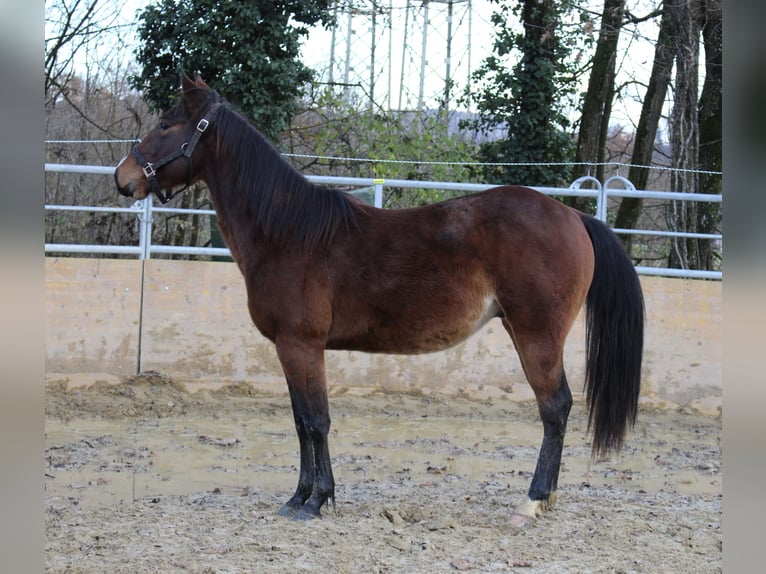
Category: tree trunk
<point>684,133</point>
<point>597,105</point>
<point>646,132</point>
<point>539,45</point>
<point>710,129</point>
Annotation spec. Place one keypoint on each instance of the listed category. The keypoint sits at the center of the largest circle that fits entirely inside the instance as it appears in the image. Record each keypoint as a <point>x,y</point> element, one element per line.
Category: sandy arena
<point>144,476</point>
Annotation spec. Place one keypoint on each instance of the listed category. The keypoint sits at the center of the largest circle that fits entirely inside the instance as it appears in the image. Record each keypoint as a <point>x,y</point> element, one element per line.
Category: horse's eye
<point>164,126</point>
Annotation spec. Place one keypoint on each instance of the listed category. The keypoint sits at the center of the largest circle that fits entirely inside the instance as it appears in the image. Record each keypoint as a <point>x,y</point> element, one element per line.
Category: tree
<point>696,127</point>
<point>67,28</point>
<point>684,130</point>
<point>646,132</point>
<point>710,128</point>
<point>73,31</point>
<point>248,49</point>
<point>597,104</point>
<point>529,99</point>
<point>338,127</point>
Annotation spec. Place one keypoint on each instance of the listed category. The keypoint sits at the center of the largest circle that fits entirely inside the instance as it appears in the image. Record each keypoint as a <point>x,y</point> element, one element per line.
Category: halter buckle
<point>149,170</point>
<point>202,125</point>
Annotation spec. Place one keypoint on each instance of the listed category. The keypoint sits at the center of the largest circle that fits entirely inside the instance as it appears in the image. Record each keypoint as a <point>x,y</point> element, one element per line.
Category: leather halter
<point>186,150</point>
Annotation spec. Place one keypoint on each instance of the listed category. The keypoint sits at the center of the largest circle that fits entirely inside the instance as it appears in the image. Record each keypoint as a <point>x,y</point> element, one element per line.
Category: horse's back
<point>485,233</point>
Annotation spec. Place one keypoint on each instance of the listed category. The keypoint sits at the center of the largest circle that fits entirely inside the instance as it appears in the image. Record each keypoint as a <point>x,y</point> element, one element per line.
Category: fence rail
<point>614,187</point>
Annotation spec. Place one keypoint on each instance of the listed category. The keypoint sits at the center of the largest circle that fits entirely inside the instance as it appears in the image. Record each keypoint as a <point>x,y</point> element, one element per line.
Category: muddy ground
<point>145,476</point>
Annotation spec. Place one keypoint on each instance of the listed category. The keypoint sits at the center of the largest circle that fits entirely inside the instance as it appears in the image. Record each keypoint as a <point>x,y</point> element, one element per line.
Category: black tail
<point>615,340</point>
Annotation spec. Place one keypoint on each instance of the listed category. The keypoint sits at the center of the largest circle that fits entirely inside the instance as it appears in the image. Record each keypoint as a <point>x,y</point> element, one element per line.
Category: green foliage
<point>386,140</point>
<point>528,99</point>
<point>247,49</point>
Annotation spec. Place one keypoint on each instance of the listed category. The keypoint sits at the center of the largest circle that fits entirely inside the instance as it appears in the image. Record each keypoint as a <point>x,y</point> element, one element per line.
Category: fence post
<point>145,229</point>
<point>601,204</point>
<point>378,184</point>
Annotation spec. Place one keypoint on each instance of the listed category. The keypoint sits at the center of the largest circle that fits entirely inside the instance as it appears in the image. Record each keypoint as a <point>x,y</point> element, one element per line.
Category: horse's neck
<point>229,204</point>
<point>266,200</point>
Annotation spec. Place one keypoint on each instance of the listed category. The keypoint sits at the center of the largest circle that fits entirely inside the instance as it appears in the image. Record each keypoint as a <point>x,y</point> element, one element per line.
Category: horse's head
<point>164,160</point>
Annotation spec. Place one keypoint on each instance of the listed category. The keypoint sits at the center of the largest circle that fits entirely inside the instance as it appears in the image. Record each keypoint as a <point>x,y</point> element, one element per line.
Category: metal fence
<point>371,189</point>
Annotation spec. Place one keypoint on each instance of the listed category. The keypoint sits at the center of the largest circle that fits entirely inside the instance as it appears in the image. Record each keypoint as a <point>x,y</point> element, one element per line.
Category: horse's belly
<point>420,331</point>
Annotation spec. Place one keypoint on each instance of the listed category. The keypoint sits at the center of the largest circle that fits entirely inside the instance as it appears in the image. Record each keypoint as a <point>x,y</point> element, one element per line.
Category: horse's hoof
<point>288,511</point>
<point>306,514</point>
<point>531,508</point>
<point>526,513</point>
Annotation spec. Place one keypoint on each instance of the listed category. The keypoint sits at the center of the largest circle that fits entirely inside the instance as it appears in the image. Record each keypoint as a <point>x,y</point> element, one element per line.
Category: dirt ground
<point>145,476</point>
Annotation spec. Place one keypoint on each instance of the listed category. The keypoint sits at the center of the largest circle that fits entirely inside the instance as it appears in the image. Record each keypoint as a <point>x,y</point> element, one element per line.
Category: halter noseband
<point>186,150</point>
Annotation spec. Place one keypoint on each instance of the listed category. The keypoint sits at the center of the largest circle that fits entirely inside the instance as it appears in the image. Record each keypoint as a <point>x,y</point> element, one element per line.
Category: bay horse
<point>325,271</point>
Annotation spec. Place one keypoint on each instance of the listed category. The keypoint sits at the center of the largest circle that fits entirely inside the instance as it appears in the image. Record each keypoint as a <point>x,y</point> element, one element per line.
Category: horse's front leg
<point>303,365</point>
<point>306,476</point>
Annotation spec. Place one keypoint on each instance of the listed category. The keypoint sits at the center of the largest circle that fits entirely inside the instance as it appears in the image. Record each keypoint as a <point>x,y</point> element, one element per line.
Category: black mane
<point>286,207</point>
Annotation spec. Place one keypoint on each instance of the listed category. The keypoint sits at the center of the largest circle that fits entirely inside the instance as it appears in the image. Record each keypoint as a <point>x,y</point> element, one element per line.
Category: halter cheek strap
<point>186,150</point>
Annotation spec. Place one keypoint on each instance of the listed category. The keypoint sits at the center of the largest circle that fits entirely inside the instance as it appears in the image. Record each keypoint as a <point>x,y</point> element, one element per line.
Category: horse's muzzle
<point>127,189</point>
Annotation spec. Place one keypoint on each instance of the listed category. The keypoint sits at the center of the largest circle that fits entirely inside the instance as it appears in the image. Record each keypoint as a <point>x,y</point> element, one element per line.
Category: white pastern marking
<point>529,508</point>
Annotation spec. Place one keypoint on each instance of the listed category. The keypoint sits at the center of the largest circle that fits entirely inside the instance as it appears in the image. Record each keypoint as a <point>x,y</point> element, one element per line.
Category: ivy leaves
<point>248,49</point>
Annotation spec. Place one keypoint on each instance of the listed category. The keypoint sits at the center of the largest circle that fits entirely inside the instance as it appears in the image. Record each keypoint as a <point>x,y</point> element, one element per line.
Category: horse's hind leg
<point>554,412</point>
<point>542,360</point>
<point>304,370</point>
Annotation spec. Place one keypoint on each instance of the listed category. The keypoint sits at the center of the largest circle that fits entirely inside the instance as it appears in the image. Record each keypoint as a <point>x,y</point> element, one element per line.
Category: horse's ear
<point>187,83</point>
<point>196,93</point>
